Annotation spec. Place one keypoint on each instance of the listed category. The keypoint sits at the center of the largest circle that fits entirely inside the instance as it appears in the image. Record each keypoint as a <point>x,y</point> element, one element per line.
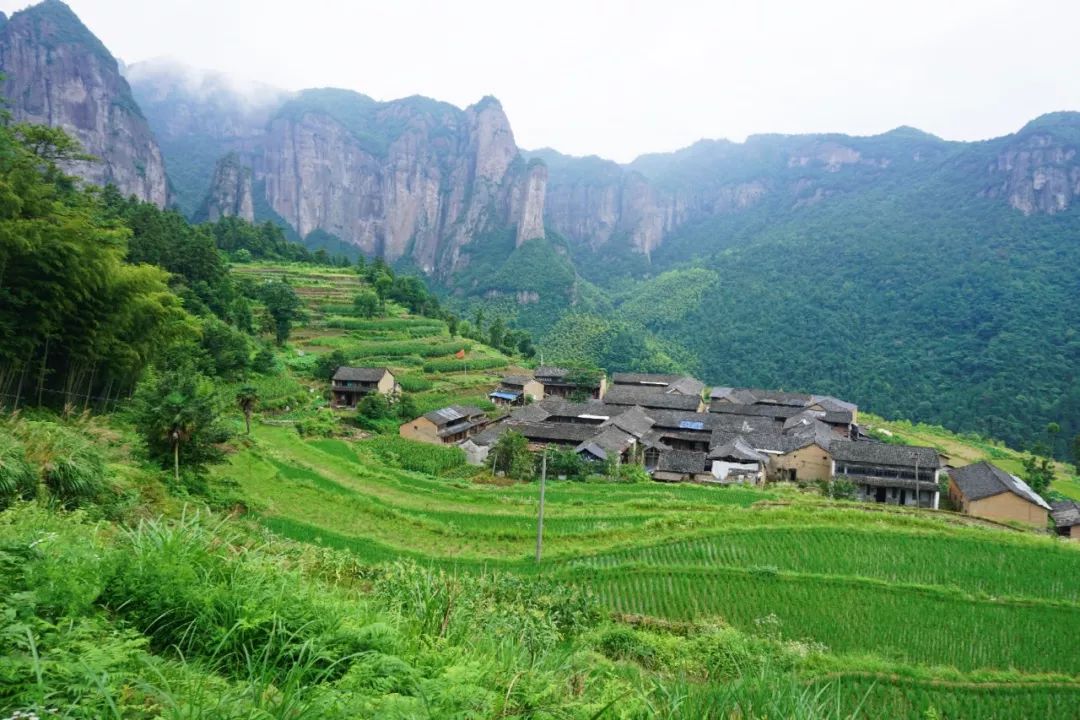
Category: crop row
<point>904,699</point>
<point>856,616</point>
<point>976,564</point>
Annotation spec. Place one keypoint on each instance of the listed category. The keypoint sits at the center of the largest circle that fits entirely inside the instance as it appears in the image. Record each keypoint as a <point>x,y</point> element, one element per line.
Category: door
<point>880,495</point>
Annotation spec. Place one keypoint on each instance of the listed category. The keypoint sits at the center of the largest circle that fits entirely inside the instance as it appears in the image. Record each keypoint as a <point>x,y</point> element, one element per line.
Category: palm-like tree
<point>247,398</point>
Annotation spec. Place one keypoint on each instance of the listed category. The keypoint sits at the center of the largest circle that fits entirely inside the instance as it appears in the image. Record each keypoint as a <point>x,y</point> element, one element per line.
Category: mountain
<point>199,117</point>
<point>917,276</point>
<point>56,72</point>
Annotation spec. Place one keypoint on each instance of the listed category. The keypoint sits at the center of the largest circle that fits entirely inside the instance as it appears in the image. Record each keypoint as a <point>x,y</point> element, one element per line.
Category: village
<point>679,430</point>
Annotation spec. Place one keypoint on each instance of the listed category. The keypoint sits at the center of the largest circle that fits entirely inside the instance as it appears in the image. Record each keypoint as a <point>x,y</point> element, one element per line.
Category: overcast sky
<point>623,78</point>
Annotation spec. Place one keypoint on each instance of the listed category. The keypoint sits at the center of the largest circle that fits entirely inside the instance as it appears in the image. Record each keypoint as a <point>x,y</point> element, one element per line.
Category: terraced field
<point>908,611</point>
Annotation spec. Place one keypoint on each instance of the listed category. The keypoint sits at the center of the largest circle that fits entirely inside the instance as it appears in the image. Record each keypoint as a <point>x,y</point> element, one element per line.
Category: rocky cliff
<point>410,178</point>
<point>57,73</point>
<point>230,191</point>
<point>198,117</point>
<point>1037,170</point>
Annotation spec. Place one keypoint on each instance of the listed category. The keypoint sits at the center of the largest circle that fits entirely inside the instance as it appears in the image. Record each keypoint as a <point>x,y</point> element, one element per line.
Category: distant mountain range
<point>914,275</point>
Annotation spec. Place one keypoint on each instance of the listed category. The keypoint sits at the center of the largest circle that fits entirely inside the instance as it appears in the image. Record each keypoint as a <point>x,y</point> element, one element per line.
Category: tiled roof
<point>861,451</point>
<point>650,398</point>
<point>983,480</point>
<point>1066,514</point>
<point>359,374</point>
<point>452,414</point>
<point>682,461</point>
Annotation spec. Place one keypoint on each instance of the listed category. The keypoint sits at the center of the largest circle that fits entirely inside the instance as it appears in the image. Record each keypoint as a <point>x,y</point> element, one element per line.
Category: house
<point>682,466</point>
<point>985,490</point>
<point>445,426</point>
<point>895,474</point>
<point>802,459</point>
<point>567,382</point>
<point>350,384</point>
<point>1066,516</point>
<point>517,390</point>
<point>650,398</point>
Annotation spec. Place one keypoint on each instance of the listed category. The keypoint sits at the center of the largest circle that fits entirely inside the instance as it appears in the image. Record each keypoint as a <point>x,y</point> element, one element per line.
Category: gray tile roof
<point>553,432</point>
<point>634,421</point>
<point>983,480</point>
<point>610,441</point>
<point>516,380</point>
<point>360,374</point>
<point>1066,514</point>
<point>736,449</point>
<point>682,461</point>
<point>860,451</point>
<point>453,414</point>
<point>648,398</point>
<point>772,411</point>
<point>630,378</point>
<point>551,371</point>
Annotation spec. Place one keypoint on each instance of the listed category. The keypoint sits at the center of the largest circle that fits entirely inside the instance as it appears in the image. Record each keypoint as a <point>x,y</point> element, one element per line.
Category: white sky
<point>619,79</point>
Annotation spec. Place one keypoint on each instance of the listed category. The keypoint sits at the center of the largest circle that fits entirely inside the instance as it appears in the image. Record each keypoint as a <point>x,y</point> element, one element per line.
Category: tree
<point>328,363</point>
<point>367,304</point>
<point>382,284</point>
<point>1038,472</point>
<point>1076,453</point>
<point>247,398</point>
<point>284,307</point>
<point>512,456</point>
<point>452,323</point>
<point>178,414</point>
<point>497,333</point>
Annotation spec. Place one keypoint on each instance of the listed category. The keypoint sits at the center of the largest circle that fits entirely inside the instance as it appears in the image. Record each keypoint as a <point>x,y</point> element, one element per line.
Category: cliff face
<point>1037,170</point>
<point>199,117</point>
<point>57,73</point>
<point>230,191</point>
<point>410,178</point>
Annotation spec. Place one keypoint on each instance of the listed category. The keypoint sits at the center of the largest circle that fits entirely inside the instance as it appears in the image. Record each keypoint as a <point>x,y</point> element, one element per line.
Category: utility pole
<point>540,517</point>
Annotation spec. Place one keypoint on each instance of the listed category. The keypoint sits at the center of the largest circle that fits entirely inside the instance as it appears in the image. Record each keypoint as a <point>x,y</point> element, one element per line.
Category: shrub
<point>71,468</point>
<point>17,477</point>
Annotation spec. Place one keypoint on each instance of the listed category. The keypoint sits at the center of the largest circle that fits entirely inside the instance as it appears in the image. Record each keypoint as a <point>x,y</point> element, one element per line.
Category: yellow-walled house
<point>985,490</point>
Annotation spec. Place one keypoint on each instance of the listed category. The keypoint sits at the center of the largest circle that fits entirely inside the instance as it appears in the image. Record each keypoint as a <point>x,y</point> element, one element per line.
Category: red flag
<point>460,354</point>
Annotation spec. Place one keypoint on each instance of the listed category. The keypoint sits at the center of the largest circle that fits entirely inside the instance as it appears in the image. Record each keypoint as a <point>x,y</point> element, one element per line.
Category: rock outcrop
<point>57,73</point>
<point>230,191</point>
<point>1037,170</point>
<point>530,210</point>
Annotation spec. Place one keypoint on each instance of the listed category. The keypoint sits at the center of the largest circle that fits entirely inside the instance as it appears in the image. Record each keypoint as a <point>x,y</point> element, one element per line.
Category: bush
<point>71,468</point>
<point>17,478</point>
